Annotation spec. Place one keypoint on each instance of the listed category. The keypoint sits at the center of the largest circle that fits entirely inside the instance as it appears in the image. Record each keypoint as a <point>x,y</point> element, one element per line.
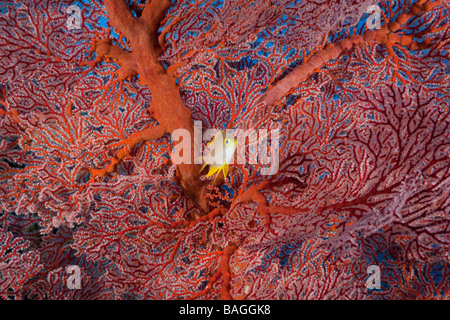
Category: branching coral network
<point>86,119</point>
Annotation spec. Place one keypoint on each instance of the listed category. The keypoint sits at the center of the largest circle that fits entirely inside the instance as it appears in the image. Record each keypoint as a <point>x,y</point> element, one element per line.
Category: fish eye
<point>227,141</point>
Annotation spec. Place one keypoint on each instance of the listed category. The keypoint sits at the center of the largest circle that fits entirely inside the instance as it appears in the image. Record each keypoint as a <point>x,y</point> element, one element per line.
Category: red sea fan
<point>86,176</point>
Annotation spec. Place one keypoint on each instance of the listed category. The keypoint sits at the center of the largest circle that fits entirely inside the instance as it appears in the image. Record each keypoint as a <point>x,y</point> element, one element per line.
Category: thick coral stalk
<point>167,106</point>
<point>146,134</point>
<point>224,272</point>
<point>385,35</point>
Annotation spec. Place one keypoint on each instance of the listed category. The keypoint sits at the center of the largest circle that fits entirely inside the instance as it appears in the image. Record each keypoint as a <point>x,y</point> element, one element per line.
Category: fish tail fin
<point>225,171</point>
<point>212,170</point>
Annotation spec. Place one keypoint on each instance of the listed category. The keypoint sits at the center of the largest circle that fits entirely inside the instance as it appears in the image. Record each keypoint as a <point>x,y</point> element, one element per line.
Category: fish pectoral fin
<point>212,170</point>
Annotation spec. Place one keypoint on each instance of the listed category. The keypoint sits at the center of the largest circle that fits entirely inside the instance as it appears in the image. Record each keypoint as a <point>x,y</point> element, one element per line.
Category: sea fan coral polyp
<point>86,177</point>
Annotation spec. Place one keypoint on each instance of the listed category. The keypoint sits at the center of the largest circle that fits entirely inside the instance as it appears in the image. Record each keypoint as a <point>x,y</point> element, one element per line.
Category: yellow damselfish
<point>224,149</point>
